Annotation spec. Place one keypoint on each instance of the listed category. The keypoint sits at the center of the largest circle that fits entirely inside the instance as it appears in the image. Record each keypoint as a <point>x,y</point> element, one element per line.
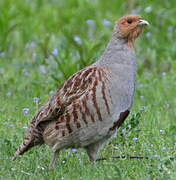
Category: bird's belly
<point>85,135</point>
<point>81,137</point>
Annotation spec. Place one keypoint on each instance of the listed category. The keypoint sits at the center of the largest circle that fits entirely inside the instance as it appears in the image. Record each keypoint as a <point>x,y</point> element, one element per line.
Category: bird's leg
<point>92,153</point>
<point>53,160</point>
<point>93,149</point>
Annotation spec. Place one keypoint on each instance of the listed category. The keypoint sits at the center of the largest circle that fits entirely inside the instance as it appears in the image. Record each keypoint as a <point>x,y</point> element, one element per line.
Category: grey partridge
<point>88,108</point>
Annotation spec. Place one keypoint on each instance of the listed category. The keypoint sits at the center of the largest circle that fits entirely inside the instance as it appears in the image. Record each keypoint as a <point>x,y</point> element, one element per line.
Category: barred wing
<point>79,100</point>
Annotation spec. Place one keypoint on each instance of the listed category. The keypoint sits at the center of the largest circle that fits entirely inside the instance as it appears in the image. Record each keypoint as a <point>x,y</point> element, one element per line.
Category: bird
<point>93,103</point>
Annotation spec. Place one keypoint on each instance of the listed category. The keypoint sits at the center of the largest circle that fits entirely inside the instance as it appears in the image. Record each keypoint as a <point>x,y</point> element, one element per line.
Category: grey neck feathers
<point>118,51</point>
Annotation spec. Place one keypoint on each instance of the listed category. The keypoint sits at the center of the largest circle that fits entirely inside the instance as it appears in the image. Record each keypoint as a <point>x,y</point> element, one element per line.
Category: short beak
<point>143,22</point>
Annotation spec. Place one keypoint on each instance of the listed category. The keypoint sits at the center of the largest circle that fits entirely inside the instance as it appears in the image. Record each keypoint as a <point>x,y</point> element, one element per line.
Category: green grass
<point>30,32</point>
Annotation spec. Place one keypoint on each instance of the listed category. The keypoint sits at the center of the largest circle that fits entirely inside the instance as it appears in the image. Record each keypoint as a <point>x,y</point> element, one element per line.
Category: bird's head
<point>130,27</point>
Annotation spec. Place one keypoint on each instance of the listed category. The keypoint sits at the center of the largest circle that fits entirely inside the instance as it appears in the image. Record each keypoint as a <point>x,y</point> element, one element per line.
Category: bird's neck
<point>118,51</point>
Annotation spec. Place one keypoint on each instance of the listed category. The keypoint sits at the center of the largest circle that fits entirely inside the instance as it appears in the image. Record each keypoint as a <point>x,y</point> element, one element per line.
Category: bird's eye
<point>129,21</point>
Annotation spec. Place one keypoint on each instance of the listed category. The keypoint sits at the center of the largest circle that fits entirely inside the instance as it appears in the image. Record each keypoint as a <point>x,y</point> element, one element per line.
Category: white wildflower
<point>143,108</point>
<point>148,9</point>
<point>25,127</point>
<point>55,52</point>
<point>135,139</point>
<point>9,94</point>
<point>74,150</point>
<point>148,34</point>
<point>124,131</point>
<point>40,167</point>
<point>156,156</point>
<point>42,69</point>
<point>164,74</point>
<point>162,131</point>
<point>36,100</point>
<point>26,73</point>
<point>142,97</point>
<point>25,111</point>
<point>77,39</point>
<point>165,149</point>
<point>170,28</point>
<point>107,22</point>
<point>91,22</point>
<point>129,126</point>
<point>2,54</point>
<point>52,93</point>
<point>31,45</point>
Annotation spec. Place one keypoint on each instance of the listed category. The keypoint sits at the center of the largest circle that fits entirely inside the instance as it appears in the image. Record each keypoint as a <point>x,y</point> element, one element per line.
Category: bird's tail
<point>25,146</point>
<point>29,142</point>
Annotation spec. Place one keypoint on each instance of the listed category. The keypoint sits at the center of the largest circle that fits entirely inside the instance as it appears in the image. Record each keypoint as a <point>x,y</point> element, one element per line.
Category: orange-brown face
<point>131,26</point>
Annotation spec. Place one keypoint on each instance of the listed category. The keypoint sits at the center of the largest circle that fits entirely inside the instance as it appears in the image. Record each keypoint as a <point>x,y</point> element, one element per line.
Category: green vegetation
<point>43,42</point>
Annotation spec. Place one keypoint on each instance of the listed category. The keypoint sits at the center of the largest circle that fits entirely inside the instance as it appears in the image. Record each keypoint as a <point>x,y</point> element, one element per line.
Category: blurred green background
<point>43,42</point>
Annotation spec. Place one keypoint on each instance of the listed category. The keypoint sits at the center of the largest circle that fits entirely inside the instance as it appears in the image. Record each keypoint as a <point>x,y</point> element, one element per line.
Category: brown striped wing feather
<point>74,95</point>
<point>82,98</point>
